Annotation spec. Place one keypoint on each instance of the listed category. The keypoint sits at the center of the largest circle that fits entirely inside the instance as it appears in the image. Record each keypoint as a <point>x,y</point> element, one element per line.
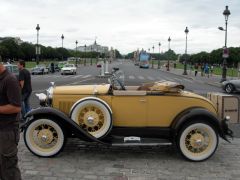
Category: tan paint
<point>133,111</point>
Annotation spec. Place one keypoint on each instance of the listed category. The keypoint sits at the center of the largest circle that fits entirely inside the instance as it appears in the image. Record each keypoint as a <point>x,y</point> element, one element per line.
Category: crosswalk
<point>127,77</point>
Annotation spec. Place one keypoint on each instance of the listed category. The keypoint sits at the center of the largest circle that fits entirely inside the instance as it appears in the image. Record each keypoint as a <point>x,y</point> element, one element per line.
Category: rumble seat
<point>129,93</point>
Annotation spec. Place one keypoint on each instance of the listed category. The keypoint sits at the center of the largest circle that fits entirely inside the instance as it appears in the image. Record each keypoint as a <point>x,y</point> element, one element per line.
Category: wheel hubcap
<point>197,141</point>
<point>91,119</point>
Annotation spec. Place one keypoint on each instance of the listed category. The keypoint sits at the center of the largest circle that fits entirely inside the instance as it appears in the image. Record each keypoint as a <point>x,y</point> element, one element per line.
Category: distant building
<point>16,39</point>
<point>93,48</point>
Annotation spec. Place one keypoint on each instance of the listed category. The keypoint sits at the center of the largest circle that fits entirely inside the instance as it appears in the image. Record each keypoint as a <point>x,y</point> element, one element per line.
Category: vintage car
<point>69,69</point>
<point>153,114</point>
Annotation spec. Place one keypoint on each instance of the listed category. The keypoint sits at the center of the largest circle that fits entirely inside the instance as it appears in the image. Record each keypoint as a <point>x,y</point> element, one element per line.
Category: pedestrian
<point>206,70</point>
<point>10,106</point>
<point>26,86</point>
<point>211,69</point>
<point>196,69</point>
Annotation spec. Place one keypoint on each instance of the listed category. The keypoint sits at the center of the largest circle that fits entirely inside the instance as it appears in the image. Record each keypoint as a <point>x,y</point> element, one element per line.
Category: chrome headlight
<point>42,98</point>
<point>49,93</point>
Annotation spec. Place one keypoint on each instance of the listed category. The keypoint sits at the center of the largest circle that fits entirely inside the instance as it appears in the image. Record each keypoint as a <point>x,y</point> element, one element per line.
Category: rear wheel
<point>197,141</point>
<point>44,137</point>
<point>229,88</point>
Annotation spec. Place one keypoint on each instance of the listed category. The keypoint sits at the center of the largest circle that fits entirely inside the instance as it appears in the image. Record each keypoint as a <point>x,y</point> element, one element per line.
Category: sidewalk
<point>213,80</point>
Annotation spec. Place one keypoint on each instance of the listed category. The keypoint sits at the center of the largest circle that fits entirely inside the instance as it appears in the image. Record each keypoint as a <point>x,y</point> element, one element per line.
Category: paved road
<point>81,160</point>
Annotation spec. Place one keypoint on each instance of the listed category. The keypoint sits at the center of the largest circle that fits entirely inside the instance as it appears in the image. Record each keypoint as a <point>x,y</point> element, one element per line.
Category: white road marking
<point>131,77</point>
<point>150,78</point>
<point>140,77</point>
<point>188,80</point>
<point>89,75</point>
<point>77,76</point>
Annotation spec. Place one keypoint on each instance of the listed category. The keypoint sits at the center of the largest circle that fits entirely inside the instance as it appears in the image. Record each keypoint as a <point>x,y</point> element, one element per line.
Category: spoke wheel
<point>44,137</point>
<point>94,117</point>
<point>229,88</point>
<point>197,141</point>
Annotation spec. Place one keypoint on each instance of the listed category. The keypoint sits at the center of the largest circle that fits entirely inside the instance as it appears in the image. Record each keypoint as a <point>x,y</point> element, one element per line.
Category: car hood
<point>232,81</point>
<point>82,89</point>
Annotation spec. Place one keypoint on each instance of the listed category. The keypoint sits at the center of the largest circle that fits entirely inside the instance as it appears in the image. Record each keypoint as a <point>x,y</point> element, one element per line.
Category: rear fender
<point>193,113</point>
<point>63,119</point>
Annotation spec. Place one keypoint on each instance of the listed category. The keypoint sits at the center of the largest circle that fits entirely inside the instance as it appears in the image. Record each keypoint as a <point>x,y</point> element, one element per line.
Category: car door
<point>129,110</point>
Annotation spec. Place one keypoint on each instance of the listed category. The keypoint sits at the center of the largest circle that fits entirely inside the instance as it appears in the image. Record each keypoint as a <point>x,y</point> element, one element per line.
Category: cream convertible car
<point>159,113</point>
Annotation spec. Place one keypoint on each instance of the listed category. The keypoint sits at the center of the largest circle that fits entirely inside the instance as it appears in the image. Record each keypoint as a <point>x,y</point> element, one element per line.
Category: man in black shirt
<point>26,86</point>
<point>10,106</point>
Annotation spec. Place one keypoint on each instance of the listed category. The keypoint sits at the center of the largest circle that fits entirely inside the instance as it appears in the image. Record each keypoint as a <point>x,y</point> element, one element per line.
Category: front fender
<point>193,113</point>
<point>63,119</point>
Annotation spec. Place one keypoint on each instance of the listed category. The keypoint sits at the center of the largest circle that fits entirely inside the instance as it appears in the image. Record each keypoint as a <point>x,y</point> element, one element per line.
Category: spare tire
<point>93,115</point>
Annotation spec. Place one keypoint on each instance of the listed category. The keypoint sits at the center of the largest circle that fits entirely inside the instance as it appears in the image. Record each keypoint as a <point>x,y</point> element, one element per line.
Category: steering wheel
<point>114,78</point>
<point>120,84</point>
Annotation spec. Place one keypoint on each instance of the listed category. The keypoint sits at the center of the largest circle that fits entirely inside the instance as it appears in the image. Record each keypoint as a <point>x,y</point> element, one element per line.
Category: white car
<point>69,69</point>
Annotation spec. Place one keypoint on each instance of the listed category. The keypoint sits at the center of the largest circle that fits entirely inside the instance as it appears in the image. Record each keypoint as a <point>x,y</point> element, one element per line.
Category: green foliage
<point>9,49</point>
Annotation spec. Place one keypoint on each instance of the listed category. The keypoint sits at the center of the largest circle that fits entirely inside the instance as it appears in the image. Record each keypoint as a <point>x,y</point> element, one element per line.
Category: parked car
<point>99,64</point>
<point>61,64</point>
<point>12,68</point>
<point>69,69</point>
<point>231,86</point>
<point>39,69</point>
<point>159,113</point>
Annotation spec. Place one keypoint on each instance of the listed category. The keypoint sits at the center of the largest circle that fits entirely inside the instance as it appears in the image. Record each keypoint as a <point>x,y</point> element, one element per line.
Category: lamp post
<point>85,47</point>
<point>76,52</point>
<point>169,40</point>
<point>185,62</point>
<point>159,44</point>
<point>226,13</point>
<point>37,48</point>
<point>152,57</point>
<point>62,37</point>
<point>91,55</point>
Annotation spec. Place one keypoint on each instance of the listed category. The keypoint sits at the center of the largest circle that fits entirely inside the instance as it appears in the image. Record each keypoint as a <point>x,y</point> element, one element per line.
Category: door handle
<point>142,100</point>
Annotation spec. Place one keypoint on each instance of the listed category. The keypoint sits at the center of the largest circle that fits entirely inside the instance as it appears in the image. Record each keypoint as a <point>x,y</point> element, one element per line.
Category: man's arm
<point>21,84</point>
<point>9,109</point>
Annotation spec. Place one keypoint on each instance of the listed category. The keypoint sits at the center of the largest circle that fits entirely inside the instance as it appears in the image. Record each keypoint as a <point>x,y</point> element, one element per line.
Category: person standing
<point>26,86</point>
<point>10,106</point>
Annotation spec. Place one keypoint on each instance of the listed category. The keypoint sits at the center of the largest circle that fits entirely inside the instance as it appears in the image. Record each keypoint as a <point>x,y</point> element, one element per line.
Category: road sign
<point>225,52</point>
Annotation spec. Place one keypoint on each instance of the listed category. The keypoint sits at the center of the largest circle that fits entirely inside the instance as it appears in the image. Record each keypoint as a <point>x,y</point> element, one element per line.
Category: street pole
<point>185,62</point>
<point>152,58</point>
<point>37,48</point>
<point>168,64</point>
<point>62,37</point>
<point>85,54</point>
<point>159,44</point>
<point>76,53</point>
<point>91,55</point>
<point>226,13</point>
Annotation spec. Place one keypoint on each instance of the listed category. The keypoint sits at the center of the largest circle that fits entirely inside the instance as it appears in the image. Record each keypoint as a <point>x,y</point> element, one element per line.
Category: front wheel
<point>197,141</point>
<point>44,137</point>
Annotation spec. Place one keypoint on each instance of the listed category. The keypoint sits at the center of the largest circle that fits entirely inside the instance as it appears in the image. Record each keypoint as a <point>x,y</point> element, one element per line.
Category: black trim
<point>62,118</point>
<point>147,132</point>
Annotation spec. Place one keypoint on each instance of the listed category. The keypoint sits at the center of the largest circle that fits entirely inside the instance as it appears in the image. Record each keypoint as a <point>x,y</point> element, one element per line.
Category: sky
<point>126,25</point>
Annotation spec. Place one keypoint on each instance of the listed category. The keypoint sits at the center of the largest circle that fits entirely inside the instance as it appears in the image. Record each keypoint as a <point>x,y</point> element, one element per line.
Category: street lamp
<point>76,52</point>
<point>91,55</point>
<point>185,62</point>
<point>226,13</point>
<point>159,44</point>
<point>152,57</point>
<point>37,48</point>
<point>62,37</point>
<point>169,39</point>
<point>85,54</point>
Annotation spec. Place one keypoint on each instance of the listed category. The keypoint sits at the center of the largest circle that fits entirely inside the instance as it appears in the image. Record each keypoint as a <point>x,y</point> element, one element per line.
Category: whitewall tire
<point>44,137</point>
<point>197,141</point>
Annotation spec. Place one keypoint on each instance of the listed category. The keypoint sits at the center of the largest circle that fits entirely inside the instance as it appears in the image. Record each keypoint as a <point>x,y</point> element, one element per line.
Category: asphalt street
<point>81,160</point>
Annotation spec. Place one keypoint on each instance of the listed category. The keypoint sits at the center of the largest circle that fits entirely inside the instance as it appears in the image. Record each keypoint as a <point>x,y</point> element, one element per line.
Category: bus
<point>144,58</point>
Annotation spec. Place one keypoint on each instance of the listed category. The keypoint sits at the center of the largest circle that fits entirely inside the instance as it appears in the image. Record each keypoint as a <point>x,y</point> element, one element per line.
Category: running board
<point>137,141</point>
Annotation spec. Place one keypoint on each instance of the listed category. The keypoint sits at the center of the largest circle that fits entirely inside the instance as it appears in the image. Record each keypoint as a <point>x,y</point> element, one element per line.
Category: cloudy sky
<point>123,24</point>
